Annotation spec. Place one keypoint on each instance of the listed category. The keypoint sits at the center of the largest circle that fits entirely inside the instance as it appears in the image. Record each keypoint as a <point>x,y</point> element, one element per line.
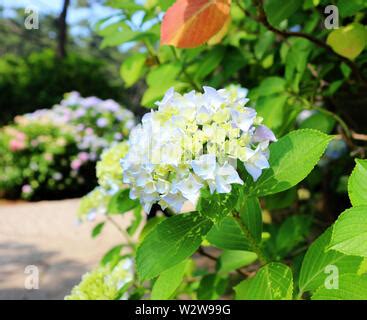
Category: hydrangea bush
<point>214,172</point>
<point>52,152</point>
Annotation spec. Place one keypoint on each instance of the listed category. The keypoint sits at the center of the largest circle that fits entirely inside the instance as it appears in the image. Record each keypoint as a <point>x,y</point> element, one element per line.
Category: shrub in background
<point>41,79</point>
<point>52,153</point>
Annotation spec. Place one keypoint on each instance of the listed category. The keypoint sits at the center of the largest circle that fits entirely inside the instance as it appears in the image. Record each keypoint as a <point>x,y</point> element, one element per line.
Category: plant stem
<point>252,241</point>
<point>337,119</point>
<point>211,257</point>
<point>122,231</point>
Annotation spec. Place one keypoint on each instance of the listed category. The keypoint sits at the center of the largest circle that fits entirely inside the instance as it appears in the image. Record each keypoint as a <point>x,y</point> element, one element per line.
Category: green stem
<point>252,241</point>
<point>122,231</point>
<point>188,77</point>
<point>337,119</point>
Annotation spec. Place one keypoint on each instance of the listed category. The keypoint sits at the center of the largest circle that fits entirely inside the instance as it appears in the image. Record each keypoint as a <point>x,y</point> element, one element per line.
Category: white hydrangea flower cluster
<point>193,141</point>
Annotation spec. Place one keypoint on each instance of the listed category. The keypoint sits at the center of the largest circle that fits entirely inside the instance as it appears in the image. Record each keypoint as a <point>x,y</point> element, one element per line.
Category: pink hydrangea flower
<point>17,145</point>
<point>27,189</point>
<point>76,164</point>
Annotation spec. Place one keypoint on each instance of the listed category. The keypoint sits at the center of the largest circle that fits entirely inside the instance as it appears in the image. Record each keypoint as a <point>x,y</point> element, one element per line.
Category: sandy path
<point>46,235</point>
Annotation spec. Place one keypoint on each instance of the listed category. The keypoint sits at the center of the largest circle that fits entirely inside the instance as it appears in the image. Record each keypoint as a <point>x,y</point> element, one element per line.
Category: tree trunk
<point>62,34</point>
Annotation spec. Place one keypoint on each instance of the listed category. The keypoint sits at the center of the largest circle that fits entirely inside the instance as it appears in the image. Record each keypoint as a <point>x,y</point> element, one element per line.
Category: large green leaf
<point>348,41</point>
<point>319,121</point>
<point>168,281</point>
<point>357,186</point>
<point>312,274</point>
<point>292,231</point>
<point>351,287</point>
<point>170,242</point>
<point>291,159</point>
<point>231,260</point>
<point>132,68</point>
<point>227,234</point>
<point>350,232</point>
<point>279,10</point>
<point>272,282</point>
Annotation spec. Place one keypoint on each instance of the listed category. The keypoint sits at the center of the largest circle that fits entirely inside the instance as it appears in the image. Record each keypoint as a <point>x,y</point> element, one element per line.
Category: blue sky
<point>93,13</point>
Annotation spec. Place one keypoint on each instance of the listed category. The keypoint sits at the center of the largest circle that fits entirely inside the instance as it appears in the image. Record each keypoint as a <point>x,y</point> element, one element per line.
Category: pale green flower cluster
<point>93,204</point>
<point>103,283</point>
<point>109,175</point>
<point>194,141</point>
<point>109,171</point>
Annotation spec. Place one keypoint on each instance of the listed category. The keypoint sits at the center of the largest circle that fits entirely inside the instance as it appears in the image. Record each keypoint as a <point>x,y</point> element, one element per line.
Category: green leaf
<point>217,205</point>
<point>312,274</point>
<point>274,281</point>
<point>132,68</point>
<point>251,215</point>
<point>150,225</point>
<point>138,217</point>
<point>272,109</point>
<point>271,85</point>
<point>159,80</point>
<point>112,256</point>
<point>308,4</point>
<point>124,4</point>
<point>349,8</point>
<point>281,200</point>
<point>121,203</point>
<point>165,4</point>
<point>116,34</point>
<point>262,45</point>
<point>350,232</point>
<point>292,158</point>
<point>97,229</point>
<point>170,242</point>
<point>296,62</point>
<point>279,10</point>
<point>231,260</point>
<point>209,63</point>
<point>351,287</point>
<point>348,41</point>
<point>211,287</point>
<point>319,121</point>
<point>168,281</point>
<point>357,186</point>
<point>292,232</point>
<point>227,234</point>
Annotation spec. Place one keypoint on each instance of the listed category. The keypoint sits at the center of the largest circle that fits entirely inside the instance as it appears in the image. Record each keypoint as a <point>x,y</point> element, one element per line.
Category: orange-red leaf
<point>190,23</point>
